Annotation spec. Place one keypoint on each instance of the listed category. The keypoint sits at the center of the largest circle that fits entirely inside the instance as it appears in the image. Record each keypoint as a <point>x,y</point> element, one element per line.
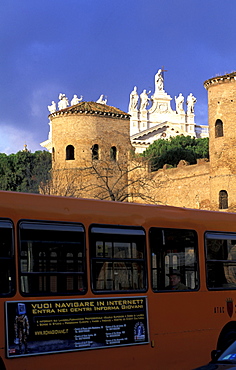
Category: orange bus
<point>86,284</point>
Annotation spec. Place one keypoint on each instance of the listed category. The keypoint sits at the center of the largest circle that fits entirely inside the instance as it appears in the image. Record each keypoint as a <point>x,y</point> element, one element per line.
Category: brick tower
<point>222,140</point>
<point>87,141</point>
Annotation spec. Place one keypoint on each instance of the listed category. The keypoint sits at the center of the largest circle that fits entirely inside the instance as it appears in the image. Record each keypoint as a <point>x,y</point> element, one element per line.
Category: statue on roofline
<point>191,100</point>
<point>63,101</point>
<point>133,102</point>
<point>76,100</point>
<point>159,81</point>
<point>179,101</point>
<point>52,108</point>
<point>144,100</point>
<point>101,100</point>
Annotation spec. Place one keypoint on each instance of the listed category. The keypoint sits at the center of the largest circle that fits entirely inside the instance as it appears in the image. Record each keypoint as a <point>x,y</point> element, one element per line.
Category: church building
<point>152,118</point>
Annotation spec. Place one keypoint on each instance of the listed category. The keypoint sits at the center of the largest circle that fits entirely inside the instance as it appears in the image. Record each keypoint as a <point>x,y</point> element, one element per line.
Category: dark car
<point>225,360</point>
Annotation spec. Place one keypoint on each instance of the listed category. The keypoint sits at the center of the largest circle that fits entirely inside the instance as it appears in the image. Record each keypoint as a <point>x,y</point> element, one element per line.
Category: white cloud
<point>13,140</point>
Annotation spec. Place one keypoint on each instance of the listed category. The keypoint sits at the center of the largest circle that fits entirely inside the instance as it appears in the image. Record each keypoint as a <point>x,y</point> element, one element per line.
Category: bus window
<point>52,258</point>
<point>221,260</point>
<point>7,266</point>
<point>173,250</point>
<point>117,258</point>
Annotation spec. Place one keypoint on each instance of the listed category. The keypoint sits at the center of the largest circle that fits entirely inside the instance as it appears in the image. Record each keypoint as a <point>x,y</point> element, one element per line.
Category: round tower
<point>77,129</point>
<point>222,139</point>
<point>87,141</point>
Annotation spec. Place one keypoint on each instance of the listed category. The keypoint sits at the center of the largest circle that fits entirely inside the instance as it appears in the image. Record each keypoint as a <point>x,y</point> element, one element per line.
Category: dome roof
<point>92,108</point>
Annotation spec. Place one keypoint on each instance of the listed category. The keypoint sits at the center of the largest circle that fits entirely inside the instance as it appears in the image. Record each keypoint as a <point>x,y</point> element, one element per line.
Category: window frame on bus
<point>160,283</point>
<point>8,260</point>
<point>222,249</point>
<point>110,238</point>
<point>55,248</point>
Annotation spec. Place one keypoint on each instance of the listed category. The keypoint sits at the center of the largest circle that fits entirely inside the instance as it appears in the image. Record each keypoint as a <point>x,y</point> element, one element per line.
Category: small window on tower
<point>95,153</point>
<point>223,199</point>
<point>70,152</point>
<point>219,128</point>
<point>113,153</point>
<point>53,154</point>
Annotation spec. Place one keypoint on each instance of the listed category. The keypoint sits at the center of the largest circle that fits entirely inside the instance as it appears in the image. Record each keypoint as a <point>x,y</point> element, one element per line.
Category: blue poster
<point>51,326</point>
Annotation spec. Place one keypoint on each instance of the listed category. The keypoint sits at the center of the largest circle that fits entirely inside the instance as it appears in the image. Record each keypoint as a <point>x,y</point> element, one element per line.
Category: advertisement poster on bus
<point>40,327</point>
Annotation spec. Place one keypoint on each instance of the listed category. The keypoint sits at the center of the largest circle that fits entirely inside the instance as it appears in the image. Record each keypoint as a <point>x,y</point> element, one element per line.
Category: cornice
<point>219,79</point>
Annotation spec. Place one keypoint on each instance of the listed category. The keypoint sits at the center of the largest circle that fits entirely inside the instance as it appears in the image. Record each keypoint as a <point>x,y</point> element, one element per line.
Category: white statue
<point>159,81</point>
<point>191,100</point>
<point>133,101</point>
<point>52,108</point>
<point>101,100</point>
<point>144,100</point>
<point>76,100</point>
<point>63,102</point>
<point>179,101</point>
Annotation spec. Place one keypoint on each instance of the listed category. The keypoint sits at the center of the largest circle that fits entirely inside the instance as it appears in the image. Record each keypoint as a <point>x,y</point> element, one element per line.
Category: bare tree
<point>121,181</point>
<point>62,182</point>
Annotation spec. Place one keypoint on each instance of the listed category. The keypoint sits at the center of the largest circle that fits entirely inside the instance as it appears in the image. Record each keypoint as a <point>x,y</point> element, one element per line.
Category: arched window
<point>219,128</point>
<point>113,152</point>
<point>223,199</point>
<point>70,152</point>
<point>95,149</point>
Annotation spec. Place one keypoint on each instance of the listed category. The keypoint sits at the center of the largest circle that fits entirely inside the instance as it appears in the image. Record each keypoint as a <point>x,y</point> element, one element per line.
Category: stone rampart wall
<point>184,186</point>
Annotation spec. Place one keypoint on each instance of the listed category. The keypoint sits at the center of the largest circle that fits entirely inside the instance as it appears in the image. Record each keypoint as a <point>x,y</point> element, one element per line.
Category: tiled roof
<point>93,108</point>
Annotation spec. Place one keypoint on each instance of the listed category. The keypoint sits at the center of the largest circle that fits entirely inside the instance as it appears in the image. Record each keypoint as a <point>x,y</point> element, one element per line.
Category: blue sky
<point>94,47</point>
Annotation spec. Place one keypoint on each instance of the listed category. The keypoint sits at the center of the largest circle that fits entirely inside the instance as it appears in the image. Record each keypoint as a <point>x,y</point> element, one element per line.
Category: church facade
<point>152,118</point>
